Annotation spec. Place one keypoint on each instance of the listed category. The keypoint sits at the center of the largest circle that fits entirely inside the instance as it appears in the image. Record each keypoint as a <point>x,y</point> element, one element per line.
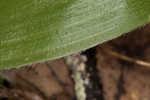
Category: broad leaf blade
<point>38,30</point>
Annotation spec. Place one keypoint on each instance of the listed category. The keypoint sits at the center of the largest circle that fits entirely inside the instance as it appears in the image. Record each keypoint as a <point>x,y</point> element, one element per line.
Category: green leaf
<point>2,80</point>
<point>38,30</point>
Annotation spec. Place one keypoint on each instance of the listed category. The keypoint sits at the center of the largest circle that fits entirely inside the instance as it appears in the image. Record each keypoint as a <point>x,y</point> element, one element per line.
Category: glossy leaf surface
<point>38,30</point>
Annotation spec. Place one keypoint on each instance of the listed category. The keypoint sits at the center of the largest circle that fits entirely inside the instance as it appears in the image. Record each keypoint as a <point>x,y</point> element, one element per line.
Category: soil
<point>113,69</point>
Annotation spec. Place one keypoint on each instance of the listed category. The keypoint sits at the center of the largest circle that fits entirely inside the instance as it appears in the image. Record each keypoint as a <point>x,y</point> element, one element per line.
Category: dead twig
<point>126,58</point>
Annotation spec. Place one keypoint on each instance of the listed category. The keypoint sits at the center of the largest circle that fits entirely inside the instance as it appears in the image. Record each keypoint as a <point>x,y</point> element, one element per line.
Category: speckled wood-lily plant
<point>39,30</point>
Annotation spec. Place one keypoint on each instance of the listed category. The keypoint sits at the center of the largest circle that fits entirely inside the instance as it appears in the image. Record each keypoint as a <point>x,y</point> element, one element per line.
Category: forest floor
<point>117,70</point>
